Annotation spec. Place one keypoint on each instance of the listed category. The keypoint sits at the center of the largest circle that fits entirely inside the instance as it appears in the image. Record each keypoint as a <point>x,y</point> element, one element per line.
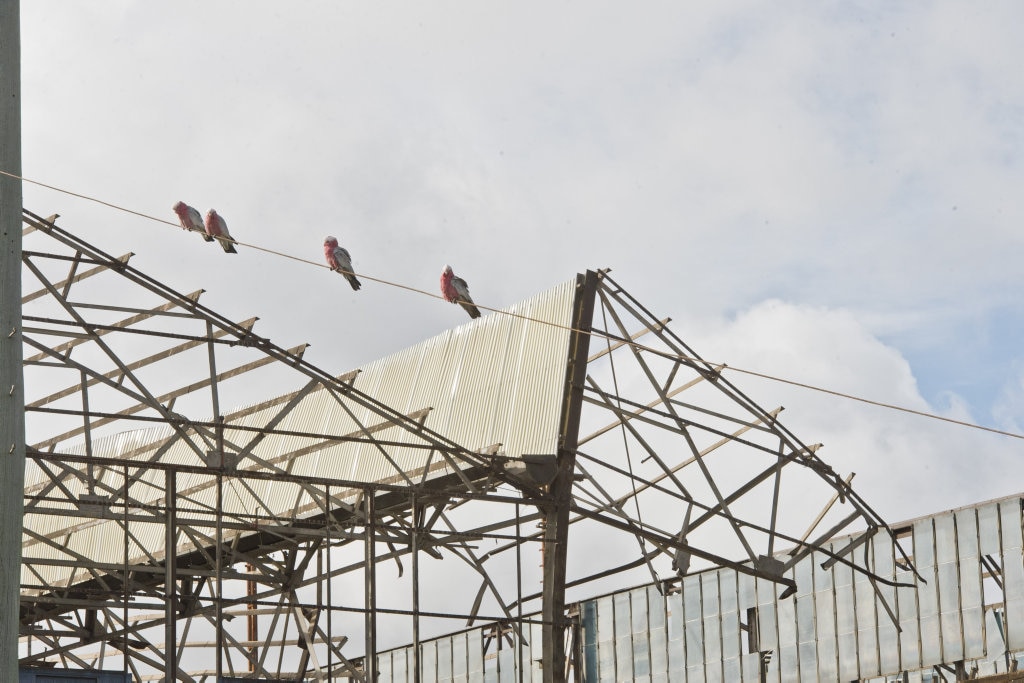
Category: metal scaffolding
<point>296,537</point>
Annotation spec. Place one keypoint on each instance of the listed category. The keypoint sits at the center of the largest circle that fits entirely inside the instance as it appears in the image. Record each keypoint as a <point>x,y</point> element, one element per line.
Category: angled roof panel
<point>495,381</point>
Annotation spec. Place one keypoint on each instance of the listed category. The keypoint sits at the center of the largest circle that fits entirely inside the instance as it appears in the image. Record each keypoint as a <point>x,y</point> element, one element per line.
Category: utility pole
<point>12,394</point>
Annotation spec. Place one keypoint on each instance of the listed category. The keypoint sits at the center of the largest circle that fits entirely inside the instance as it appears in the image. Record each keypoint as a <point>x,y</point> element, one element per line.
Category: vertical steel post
<point>252,632</point>
<point>370,585</point>
<point>416,676</point>
<point>556,507</point>
<point>12,395</point>
<point>519,597</point>
<point>219,560</point>
<point>127,575</point>
<point>170,576</point>
<point>329,521</point>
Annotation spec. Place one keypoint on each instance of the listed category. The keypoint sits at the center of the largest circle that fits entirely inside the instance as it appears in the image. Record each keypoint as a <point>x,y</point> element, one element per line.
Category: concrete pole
<point>12,395</point>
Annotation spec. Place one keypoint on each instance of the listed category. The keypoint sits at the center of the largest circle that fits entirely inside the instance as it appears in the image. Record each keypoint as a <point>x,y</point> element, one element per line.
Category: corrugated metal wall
<point>461,658</point>
<point>835,628</point>
<point>719,624</point>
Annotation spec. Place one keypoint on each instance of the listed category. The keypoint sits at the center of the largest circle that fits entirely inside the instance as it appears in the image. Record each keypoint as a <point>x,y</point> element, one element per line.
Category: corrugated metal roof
<point>495,380</point>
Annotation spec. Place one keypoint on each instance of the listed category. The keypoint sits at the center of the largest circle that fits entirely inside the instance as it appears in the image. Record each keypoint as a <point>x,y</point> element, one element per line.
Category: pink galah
<point>216,227</point>
<point>339,260</point>
<point>456,291</point>
<point>191,219</point>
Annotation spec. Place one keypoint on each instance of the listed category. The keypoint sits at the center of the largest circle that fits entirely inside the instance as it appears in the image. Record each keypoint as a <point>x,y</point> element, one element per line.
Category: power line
<point>642,347</point>
<point>233,240</point>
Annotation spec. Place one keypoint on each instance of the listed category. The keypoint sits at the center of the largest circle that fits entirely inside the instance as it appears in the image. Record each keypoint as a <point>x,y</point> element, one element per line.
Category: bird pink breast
<point>446,286</point>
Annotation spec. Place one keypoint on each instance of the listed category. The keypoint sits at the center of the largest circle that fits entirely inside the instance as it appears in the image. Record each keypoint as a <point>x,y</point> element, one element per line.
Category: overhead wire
<point>569,328</point>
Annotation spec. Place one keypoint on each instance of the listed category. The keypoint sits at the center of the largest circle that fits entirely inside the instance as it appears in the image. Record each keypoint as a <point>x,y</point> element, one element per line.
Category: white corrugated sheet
<point>495,380</point>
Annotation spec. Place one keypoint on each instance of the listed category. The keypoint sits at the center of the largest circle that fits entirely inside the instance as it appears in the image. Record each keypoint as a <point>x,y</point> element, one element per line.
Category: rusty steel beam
<point>64,284</point>
<point>196,580</point>
<point>557,504</point>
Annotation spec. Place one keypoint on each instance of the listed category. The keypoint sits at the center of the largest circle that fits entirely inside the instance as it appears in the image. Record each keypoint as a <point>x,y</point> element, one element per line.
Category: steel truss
<point>662,464</point>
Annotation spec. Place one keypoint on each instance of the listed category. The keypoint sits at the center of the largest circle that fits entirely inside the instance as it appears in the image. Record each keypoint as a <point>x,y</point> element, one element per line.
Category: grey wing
<point>227,242</point>
<point>462,288</point>
<point>342,258</point>
<point>195,220</point>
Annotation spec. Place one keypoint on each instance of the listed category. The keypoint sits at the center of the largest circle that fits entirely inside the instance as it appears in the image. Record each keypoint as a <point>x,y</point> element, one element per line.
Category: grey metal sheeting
<point>833,629</point>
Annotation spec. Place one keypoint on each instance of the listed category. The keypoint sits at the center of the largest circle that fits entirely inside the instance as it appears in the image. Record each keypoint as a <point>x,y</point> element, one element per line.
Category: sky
<point>824,192</point>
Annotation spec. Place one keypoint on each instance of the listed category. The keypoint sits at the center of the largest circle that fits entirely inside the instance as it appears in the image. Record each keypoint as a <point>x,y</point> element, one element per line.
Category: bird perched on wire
<point>216,227</point>
<point>456,291</point>
<point>191,219</point>
<point>340,261</point>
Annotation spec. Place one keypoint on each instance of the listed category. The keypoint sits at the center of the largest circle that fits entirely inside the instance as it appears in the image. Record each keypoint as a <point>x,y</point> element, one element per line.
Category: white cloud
<point>793,183</point>
<point>715,157</point>
<point>1009,407</point>
<point>907,465</point>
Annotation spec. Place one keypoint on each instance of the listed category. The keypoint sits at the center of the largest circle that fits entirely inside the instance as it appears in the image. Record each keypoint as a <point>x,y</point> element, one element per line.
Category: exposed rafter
<point>162,502</point>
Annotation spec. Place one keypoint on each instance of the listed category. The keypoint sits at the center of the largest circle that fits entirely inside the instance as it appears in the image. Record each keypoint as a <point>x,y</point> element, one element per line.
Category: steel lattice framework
<point>165,536</point>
